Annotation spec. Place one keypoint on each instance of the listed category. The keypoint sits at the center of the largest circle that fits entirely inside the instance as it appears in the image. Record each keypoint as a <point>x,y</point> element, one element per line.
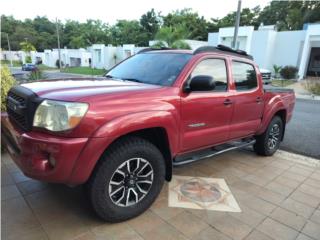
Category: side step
<point>207,153</point>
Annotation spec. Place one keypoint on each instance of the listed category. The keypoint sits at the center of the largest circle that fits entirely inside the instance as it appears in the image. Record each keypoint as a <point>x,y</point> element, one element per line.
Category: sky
<point>110,11</point>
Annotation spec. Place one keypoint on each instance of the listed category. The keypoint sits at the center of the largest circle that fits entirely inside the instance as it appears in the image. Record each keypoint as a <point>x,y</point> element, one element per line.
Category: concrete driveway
<point>279,198</point>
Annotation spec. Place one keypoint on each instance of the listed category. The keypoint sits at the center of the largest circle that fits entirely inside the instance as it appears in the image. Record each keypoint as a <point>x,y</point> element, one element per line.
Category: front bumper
<point>35,153</point>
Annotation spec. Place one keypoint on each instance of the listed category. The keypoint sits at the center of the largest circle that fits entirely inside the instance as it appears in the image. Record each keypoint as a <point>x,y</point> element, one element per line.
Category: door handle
<point>227,102</point>
<point>259,100</point>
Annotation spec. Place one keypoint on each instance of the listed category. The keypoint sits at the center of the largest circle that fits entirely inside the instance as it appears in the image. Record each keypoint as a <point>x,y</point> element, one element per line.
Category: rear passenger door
<point>248,102</point>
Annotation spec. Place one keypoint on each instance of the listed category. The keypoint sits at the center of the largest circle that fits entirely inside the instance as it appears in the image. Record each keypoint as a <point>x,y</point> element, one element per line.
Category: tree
<point>27,46</point>
<point>150,23</point>
<point>196,26</point>
<point>173,37</point>
<point>290,15</point>
<point>128,32</point>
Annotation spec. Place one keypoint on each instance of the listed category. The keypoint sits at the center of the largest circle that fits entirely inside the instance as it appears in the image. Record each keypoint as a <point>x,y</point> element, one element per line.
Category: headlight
<point>59,116</point>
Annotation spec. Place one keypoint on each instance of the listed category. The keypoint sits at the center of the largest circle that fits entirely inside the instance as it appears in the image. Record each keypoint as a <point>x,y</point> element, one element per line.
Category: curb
<point>308,97</point>
<point>297,158</point>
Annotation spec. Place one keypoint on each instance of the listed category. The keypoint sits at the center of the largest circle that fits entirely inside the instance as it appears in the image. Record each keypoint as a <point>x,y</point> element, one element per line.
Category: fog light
<point>52,161</point>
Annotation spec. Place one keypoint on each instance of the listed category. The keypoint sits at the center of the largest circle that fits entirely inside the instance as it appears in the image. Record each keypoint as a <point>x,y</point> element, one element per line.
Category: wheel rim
<point>131,182</point>
<point>274,136</point>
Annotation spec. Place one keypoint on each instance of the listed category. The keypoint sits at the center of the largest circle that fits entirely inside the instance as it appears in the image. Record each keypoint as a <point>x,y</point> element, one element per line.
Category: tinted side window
<point>244,76</point>
<point>215,68</point>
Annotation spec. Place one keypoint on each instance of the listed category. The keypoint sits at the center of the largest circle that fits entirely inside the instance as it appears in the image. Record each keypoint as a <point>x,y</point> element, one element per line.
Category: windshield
<point>152,68</point>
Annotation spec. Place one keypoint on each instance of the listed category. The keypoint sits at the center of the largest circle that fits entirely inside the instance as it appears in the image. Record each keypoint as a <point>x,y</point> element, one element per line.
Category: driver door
<point>206,115</point>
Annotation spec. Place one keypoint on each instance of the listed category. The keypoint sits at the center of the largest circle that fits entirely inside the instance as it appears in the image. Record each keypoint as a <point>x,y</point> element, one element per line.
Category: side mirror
<point>200,83</point>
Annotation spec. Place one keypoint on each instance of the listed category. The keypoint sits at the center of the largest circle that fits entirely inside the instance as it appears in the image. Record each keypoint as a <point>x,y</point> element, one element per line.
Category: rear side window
<point>215,68</point>
<point>244,76</point>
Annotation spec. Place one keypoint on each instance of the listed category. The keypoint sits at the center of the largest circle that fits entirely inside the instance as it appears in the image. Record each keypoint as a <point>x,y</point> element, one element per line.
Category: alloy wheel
<point>274,136</point>
<point>131,182</point>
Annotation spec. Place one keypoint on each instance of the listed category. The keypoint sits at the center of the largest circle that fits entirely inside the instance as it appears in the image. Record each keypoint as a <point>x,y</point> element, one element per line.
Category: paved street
<point>303,132</point>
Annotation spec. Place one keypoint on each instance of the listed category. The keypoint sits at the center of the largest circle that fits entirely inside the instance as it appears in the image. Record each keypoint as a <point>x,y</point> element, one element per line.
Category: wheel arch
<point>158,136</point>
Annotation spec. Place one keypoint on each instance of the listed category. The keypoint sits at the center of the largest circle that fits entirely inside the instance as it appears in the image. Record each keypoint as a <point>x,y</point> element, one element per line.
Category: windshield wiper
<point>132,80</point>
<point>109,76</point>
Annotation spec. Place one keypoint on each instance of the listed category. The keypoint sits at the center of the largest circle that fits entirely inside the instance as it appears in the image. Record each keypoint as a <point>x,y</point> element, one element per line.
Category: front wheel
<point>127,180</point>
<point>268,142</point>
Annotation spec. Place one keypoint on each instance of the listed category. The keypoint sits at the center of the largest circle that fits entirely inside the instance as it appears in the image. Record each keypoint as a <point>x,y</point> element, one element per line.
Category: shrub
<point>288,72</point>
<point>180,44</point>
<point>7,81</point>
<point>28,59</point>
<point>313,86</point>
<point>36,75</point>
<point>276,70</point>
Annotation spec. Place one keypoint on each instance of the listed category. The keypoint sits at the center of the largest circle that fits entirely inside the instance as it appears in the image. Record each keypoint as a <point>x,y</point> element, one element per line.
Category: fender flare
<point>116,128</point>
<point>271,108</point>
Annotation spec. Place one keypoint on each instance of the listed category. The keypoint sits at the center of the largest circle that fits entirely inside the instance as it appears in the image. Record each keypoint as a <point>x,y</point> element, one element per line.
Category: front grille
<point>20,119</point>
<point>266,75</point>
<point>21,105</point>
<point>19,99</point>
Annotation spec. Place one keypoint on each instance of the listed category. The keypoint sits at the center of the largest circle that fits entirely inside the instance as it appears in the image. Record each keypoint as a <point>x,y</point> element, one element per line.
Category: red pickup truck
<point>122,134</point>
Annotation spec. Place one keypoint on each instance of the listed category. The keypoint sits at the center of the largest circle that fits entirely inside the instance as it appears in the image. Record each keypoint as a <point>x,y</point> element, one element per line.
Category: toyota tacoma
<point>121,135</point>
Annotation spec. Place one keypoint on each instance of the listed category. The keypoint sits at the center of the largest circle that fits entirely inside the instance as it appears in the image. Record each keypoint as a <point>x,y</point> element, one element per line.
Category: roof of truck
<point>220,49</point>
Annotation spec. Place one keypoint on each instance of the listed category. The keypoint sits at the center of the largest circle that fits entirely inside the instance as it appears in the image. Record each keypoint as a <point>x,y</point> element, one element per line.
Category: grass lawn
<point>14,63</point>
<point>282,82</point>
<point>84,70</point>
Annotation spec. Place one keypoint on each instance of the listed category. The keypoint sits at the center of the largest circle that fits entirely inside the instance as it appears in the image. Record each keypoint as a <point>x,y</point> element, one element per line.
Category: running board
<point>203,154</point>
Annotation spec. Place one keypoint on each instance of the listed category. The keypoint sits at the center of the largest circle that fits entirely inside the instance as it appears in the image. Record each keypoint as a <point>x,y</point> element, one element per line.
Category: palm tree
<point>172,37</point>
<point>27,47</point>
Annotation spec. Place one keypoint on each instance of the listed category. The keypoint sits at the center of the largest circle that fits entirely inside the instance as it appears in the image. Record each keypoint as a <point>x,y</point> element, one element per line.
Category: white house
<point>69,57</point>
<point>270,47</point>
<point>13,55</point>
<point>107,56</point>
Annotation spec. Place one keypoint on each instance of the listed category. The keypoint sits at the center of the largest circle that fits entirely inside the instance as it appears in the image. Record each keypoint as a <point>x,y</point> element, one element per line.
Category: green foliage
<point>276,69</point>
<point>150,23</point>
<point>36,75</point>
<point>289,72</point>
<point>7,81</point>
<point>180,44</point>
<point>170,35</point>
<point>28,59</point>
<point>27,47</point>
<point>128,32</point>
<point>313,86</point>
<point>290,15</point>
<point>282,82</point>
<point>41,32</point>
<point>159,44</point>
<point>15,63</point>
<point>195,25</point>
<point>84,70</point>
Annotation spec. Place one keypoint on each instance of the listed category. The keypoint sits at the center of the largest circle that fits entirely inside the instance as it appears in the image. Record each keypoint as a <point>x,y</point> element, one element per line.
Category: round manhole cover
<point>200,191</point>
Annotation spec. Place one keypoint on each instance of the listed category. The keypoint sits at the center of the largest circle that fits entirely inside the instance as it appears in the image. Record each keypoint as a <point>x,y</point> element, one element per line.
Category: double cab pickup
<point>122,134</point>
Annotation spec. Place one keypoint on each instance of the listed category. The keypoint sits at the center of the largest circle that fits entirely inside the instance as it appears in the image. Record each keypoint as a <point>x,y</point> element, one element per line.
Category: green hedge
<point>7,81</point>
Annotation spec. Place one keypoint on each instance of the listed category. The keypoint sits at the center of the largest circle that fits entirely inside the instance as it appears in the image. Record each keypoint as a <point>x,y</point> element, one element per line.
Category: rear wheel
<point>268,142</point>
<point>127,180</point>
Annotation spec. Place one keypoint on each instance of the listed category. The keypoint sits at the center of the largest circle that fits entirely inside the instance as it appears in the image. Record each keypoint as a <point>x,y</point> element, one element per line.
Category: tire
<point>112,174</point>
<point>266,145</point>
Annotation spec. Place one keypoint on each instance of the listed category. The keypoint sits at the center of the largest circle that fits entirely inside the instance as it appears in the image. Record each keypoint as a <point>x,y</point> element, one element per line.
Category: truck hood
<point>76,89</point>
